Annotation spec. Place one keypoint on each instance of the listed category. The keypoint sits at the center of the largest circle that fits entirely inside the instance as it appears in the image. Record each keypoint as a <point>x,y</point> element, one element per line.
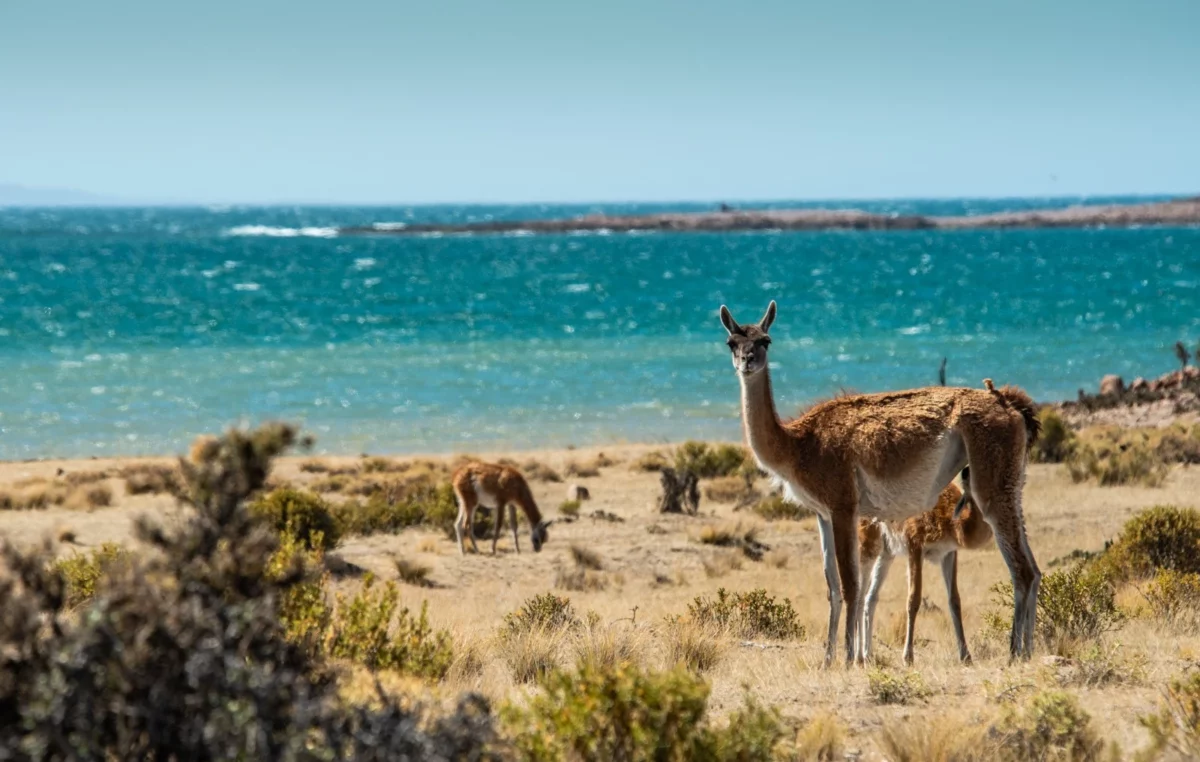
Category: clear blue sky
<point>450,100</point>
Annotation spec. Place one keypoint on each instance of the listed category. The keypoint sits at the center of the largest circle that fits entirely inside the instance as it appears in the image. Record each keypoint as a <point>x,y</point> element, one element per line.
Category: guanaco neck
<point>529,506</point>
<point>760,423</point>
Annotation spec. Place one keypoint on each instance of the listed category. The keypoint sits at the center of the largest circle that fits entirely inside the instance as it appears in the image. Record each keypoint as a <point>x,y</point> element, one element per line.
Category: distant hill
<point>21,195</point>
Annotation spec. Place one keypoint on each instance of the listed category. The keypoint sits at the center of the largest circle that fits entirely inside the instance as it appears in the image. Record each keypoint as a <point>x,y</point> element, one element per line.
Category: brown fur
<point>935,529</point>
<point>505,486</point>
<point>825,452</point>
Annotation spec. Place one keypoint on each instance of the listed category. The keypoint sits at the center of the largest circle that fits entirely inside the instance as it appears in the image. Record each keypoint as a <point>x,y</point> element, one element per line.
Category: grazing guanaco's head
<point>538,535</point>
<point>749,342</point>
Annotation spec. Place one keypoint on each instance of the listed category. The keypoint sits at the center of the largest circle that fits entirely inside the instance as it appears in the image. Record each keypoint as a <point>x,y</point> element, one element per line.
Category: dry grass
<point>821,739</point>
<point>581,470</point>
<point>935,740</point>
<point>531,653</point>
<point>699,647</point>
<point>413,572</point>
<point>150,479</point>
<point>537,471</point>
<point>586,558</point>
<point>605,646</point>
<point>721,563</point>
<point>429,545</point>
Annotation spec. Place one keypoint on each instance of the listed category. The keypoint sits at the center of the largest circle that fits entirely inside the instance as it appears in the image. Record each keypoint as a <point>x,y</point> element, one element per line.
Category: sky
<point>458,101</point>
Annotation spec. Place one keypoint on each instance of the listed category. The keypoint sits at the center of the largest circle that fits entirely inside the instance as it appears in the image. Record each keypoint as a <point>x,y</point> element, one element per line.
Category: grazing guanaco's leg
<point>950,575</point>
<point>499,526</point>
<point>845,543</point>
<point>464,493</point>
<point>512,520</point>
<point>825,529</point>
<point>879,572</point>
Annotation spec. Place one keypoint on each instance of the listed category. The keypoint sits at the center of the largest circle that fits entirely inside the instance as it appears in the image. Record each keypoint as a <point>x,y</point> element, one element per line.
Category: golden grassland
<point>638,575</point>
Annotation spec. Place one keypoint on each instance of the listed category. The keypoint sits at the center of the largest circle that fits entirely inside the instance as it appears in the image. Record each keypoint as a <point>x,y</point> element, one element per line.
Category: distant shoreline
<point>1176,212</point>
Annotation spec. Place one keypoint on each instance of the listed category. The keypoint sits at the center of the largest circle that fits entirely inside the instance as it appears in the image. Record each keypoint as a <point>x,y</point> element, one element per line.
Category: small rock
<point>1139,385</point>
<point>1112,384</point>
<point>578,492</point>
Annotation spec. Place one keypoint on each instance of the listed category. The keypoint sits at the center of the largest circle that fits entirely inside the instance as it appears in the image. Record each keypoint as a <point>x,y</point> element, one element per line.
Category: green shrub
<point>1056,442</point>
<point>890,688</point>
<point>1051,726</point>
<point>1075,603</point>
<point>1113,464</point>
<point>361,630</point>
<point>546,611</point>
<point>706,462</point>
<point>748,615</point>
<point>570,508</point>
<point>83,572</point>
<point>1176,724</point>
<point>386,511</point>
<point>629,714</point>
<point>774,508</point>
<point>305,515</point>
<point>1162,537</point>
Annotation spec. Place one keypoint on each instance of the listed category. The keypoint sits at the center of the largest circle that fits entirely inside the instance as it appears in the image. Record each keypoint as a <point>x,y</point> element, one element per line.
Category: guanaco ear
<point>548,523</point>
<point>727,320</point>
<point>765,323</point>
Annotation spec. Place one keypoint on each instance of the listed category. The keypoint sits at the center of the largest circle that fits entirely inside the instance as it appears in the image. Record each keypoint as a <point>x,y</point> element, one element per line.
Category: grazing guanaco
<point>936,536</point>
<point>495,486</point>
<point>889,456</point>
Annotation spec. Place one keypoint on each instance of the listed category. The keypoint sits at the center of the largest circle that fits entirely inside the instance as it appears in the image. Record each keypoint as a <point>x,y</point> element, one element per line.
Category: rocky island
<point>1175,212</point>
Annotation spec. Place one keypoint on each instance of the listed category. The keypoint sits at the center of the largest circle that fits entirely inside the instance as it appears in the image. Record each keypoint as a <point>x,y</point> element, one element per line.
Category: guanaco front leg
<point>499,526</point>
<point>845,545</point>
<point>825,530</point>
<point>467,502</point>
<point>512,520</point>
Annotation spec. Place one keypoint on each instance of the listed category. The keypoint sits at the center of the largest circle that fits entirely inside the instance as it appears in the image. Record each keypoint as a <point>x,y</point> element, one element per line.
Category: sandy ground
<point>651,575</point>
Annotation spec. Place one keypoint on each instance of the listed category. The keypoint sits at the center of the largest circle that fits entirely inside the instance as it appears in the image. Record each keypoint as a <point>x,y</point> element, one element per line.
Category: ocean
<point>132,330</point>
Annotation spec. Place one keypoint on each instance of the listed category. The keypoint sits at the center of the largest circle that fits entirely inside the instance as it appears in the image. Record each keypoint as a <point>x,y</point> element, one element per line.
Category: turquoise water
<point>132,330</point>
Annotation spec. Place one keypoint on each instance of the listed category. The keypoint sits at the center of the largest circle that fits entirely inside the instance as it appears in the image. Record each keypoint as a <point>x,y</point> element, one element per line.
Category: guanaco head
<point>538,535</point>
<point>748,342</point>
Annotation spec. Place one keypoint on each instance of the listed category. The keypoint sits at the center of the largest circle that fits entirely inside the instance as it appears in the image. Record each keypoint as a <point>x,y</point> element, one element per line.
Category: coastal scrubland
<point>634,634</point>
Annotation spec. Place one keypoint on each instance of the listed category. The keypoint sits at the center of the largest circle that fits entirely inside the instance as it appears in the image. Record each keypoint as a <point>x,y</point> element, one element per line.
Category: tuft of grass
<point>413,572</point>
<point>579,580</point>
<point>821,739</point>
<point>650,462</point>
<point>748,615</point>
<point>709,462</point>
<point>778,558</point>
<point>888,687</point>
<point>606,647</point>
<point>88,497</point>
<point>736,535</point>
<point>531,654</point>
<point>313,467</point>
<point>727,489</point>
<point>570,508</point>
<point>940,740</point>
<point>586,558</point>
<point>775,508</point>
<point>721,563</point>
<point>581,470</point>
<point>694,645</point>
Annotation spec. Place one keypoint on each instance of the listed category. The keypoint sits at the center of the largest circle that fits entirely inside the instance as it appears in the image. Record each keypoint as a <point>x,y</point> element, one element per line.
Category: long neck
<point>764,433</point>
<point>528,505</point>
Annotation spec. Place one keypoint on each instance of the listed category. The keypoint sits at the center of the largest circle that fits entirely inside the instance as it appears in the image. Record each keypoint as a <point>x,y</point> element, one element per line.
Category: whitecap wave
<point>272,231</point>
<point>389,225</point>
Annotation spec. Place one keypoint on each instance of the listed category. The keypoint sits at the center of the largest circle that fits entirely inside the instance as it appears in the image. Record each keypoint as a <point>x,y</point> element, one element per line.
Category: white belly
<point>899,497</point>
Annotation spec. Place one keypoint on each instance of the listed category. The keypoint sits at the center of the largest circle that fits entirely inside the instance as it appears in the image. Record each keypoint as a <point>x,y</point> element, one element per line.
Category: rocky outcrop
<point>1177,212</point>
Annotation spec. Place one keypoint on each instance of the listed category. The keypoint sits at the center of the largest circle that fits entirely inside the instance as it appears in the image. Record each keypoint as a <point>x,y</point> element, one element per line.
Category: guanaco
<point>495,486</point>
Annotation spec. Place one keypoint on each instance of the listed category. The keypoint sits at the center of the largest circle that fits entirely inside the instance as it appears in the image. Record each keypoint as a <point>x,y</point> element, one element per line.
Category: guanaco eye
<point>764,342</point>
<point>731,344</point>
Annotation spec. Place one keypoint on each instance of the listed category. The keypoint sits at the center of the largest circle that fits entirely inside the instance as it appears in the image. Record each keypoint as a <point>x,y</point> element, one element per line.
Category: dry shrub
<point>709,462</point>
<point>778,558</point>
<point>601,515</point>
<point>67,535</point>
<point>313,467</point>
<point>581,470</point>
<point>1111,464</point>
<point>1176,724</point>
<point>151,479</point>
<point>1050,726</point>
<point>413,572</point>
<point>579,580</point>
<point>32,495</point>
<point>735,534</point>
<point>693,645</point>
<point>87,497</point>
<point>748,615</point>
<point>775,508</point>
<point>888,687</point>
<point>650,462</point>
<point>1173,598</point>
<point>77,478</point>
<point>1056,441</point>
<point>382,466</point>
<point>1094,664</point>
<point>941,740</point>
<point>539,472</point>
<point>726,489</point>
